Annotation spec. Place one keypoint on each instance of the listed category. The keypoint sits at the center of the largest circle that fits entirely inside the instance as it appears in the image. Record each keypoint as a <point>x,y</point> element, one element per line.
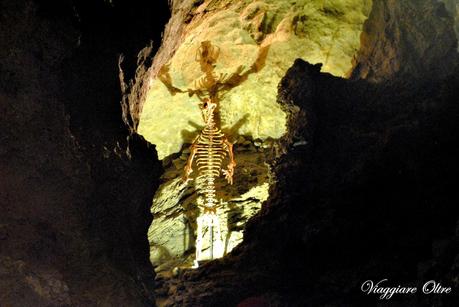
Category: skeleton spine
<point>209,156</point>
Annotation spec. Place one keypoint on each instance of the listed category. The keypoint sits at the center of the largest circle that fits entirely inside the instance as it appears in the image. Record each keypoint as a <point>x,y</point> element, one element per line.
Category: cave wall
<point>369,195</point>
<point>366,188</point>
<point>254,44</point>
<point>75,185</point>
<point>172,234</point>
<point>367,165</point>
<point>453,8</point>
<point>400,39</point>
<point>44,183</point>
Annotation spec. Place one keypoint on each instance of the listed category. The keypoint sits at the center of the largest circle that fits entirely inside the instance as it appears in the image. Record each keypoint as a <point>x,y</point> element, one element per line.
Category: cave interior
<point>343,117</point>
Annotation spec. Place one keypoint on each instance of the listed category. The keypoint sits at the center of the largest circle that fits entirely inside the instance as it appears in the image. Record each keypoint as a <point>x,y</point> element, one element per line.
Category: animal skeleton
<point>209,149</point>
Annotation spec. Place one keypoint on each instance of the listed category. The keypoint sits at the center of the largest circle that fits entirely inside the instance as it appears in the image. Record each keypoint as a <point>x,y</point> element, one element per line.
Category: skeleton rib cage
<point>210,153</point>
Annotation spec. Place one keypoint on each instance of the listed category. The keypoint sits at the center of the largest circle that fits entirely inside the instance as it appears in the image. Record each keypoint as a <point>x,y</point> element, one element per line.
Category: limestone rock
<point>173,231</point>
<point>396,41</point>
<point>255,43</point>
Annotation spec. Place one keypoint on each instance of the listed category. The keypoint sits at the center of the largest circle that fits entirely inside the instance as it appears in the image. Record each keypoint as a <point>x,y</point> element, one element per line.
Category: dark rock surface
<point>403,38</point>
<point>75,186</point>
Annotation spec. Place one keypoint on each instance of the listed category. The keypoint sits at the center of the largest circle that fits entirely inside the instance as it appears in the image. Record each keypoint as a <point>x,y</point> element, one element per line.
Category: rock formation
<point>174,208</point>
<point>369,193</point>
<point>453,8</point>
<point>397,43</point>
<point>338,180</point>
<point>257,41</point>
<point>74,200</point>
<point>349,177</point>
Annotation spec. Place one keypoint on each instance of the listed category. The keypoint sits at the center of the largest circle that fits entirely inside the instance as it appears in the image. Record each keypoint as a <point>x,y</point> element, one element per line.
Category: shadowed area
<point>368,194</point>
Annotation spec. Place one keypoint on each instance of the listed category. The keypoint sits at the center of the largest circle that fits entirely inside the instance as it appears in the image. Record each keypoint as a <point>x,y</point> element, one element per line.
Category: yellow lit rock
<point>168,119</point>
<point>174,210</point>
<point>257,42</point>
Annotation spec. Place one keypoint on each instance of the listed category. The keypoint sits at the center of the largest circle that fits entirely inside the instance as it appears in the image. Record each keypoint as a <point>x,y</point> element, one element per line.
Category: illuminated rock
<point>256,42</point>
<point>172,233</point>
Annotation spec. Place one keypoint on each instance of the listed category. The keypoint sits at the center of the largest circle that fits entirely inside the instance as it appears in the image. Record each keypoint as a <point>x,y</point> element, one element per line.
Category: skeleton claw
<point>186,179</point>
<point>188,171</point>
<point>229,173</point>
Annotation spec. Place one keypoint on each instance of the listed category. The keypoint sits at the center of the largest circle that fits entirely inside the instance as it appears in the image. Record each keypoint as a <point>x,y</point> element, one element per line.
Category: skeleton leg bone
<point>189,163</point>
<point>199,233</point>
<point>218,241</point>
<point>210,222</point>
<point>232,163</point>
